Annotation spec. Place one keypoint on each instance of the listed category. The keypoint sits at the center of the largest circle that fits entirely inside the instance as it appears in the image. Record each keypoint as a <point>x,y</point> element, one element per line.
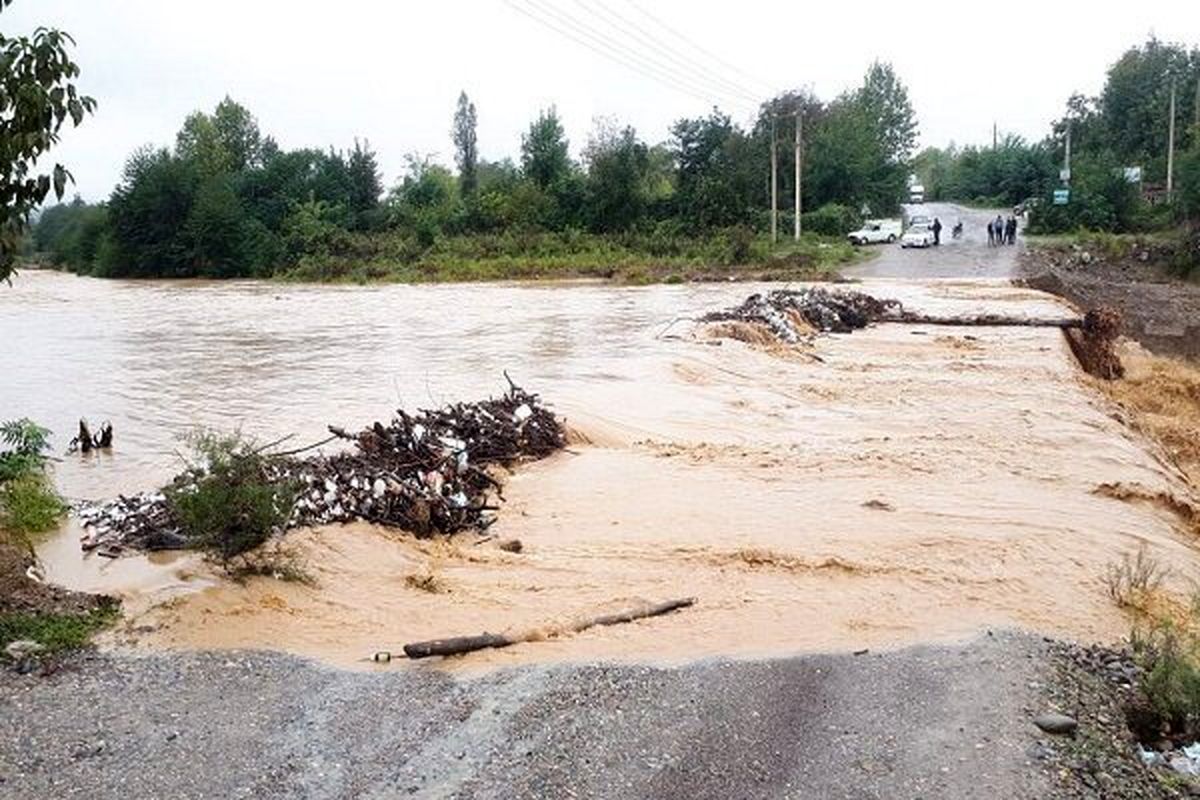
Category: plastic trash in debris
<point>522,413</point>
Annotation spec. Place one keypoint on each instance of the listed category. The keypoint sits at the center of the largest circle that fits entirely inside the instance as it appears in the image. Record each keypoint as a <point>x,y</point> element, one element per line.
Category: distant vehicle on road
<point>918,235</point>
<point>876,231</point>
<point>916,193</point>
<point>920,221</point>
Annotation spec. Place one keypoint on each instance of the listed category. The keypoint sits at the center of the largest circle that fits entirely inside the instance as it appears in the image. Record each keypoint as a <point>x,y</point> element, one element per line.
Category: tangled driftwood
<point>428,473</point>
<point>791,316</point>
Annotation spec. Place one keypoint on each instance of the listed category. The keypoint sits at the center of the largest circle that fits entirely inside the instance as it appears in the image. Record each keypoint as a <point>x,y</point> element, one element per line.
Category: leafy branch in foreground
<point>37,97</point>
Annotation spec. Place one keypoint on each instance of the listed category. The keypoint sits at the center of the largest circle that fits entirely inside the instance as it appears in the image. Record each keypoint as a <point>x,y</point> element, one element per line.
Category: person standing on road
<point>937,231</point>
<point>999,225</point>
<point>1010,230</point>
<point>991,234</point>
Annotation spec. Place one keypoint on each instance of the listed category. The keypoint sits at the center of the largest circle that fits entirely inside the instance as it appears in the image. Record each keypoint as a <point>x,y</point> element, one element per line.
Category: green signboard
<point>1061,196</point>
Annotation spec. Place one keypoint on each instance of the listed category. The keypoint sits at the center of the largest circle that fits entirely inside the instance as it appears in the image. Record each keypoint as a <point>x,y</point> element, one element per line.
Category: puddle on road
<point>914,485</point>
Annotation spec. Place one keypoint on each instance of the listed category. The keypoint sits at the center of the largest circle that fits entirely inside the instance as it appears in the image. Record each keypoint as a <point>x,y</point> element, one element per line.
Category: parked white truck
<point>875,231</point>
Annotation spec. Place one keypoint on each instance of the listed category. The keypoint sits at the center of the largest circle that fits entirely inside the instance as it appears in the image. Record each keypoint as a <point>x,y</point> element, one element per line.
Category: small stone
<point>23,648</point>
<point>1056,723</point>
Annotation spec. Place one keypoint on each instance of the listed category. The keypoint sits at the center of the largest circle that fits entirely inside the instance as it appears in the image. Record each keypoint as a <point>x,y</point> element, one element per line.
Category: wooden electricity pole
<point>799,146</point>
<point>774,186</point>
<point>1171,145</point>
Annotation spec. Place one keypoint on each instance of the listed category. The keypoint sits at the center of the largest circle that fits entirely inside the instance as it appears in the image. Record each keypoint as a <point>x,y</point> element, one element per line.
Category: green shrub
<point>29,505</point>
<point>55,632</point>
<point>227,502</point>
<point>1168,654</point>
<point>26,444</point>
<point>832,220</point>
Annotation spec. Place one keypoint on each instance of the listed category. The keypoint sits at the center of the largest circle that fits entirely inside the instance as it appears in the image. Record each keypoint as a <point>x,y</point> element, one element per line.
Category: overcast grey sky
<point>322,73</point>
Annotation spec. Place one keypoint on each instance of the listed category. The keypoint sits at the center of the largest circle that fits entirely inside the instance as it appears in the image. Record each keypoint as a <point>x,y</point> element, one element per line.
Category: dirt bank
<point>1161,311</point>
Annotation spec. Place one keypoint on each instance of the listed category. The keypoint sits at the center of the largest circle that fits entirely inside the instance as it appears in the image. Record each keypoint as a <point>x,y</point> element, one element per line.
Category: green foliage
<point>884,101</point>
<point>1002,176</point>
<point>1169,654</point>
<point>619,188</point>
<point>28,502</point>
<point>57,633</point>
<point>29,505</point>
<point>545,159</point>
<point>228,502</point>
<point>25,445</point>
<point>37,97</point>
<point>1101,200</point>
<point>832,219</point>
<point>466,149</point>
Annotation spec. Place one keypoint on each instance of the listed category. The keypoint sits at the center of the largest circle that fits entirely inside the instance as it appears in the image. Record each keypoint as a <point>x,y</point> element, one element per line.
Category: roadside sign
<point>1133,174</point>
<point>1061,196</point>
<point>1064,174</point>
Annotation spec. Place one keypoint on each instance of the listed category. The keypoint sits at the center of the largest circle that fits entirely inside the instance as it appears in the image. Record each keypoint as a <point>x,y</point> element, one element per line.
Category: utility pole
<point>995,137</point>
<point>774,185</point>
<point>1171,145</point>
<point>799,128</point>
<point>1067,159</point>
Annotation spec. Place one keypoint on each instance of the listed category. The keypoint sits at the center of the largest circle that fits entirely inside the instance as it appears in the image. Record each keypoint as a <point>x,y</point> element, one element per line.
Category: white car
<point>917,236</point>
<point>875,231</point>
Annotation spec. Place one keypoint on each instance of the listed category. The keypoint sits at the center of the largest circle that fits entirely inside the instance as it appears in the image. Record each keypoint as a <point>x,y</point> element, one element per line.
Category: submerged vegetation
<point>229,501</point>
<point>228,201</point>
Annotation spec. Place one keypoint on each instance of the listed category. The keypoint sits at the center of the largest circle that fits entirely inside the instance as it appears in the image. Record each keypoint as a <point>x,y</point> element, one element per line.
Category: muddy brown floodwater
<point>914,484</point>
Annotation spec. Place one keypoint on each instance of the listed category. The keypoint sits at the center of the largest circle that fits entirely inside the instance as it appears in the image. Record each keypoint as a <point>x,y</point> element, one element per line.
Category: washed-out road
<point>945,721</point>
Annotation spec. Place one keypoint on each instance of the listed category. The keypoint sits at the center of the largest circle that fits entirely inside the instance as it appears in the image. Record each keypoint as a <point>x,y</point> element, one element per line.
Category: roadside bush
<point>832,219</point>
<point>29,505</point>
<point>1132,581</point>
<point>1168,653</point>
<point>28,502</point>
<point>227,502</point>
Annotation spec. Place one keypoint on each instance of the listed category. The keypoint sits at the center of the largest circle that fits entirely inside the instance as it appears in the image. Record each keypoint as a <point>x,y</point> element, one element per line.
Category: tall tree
<point>466,153</point>
<point>239,134</point>
<point>618,166</point>
<point>37,97</point>
<point>884,100</point>
<point>366,184</point>
<point>545,157</point>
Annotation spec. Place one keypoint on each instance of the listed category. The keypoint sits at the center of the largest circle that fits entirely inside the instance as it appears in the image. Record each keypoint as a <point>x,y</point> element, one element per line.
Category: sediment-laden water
<point>909,484</point>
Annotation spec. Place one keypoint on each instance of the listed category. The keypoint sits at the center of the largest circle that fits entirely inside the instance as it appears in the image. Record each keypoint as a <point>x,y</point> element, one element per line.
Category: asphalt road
<point>969,256</point>
<point>926,722</point>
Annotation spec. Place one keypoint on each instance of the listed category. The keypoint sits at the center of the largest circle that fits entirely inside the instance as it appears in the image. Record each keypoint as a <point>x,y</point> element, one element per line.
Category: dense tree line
<point>227,201</point>
<point>1123,126</point>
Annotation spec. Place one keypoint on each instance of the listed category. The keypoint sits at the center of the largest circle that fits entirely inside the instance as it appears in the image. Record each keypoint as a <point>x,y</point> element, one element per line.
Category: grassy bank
<point>630,259</point>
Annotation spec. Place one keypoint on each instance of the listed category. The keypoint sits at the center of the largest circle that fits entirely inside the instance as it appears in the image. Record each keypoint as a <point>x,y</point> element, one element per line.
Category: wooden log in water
<point>459,645</point>
<point>989,321</point>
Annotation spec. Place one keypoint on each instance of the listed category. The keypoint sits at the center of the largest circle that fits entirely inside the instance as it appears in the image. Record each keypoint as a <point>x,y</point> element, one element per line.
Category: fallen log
<point>988,321</point>
<point>459,645</point>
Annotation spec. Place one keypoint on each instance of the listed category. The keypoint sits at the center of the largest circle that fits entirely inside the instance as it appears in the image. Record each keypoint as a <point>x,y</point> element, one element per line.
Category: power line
<point>626,52</point>
<point>603,46</point>
<point>624,26</point>
<point>671,30</point>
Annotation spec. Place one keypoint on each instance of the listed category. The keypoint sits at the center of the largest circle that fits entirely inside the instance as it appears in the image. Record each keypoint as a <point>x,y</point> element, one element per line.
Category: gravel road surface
<point>925,722</point>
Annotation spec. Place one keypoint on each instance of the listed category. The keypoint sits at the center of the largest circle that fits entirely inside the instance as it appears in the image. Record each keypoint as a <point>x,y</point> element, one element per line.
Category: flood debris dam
<point>426,473</point>
<point>792,316</point>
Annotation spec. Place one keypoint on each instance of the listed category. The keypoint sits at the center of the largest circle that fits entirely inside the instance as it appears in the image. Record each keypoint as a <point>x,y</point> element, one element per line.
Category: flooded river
<point>909,484</point>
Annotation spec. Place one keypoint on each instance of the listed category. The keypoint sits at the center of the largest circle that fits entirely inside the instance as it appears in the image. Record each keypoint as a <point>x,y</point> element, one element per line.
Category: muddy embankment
<point>1161,310</point>
<point>898,484</point>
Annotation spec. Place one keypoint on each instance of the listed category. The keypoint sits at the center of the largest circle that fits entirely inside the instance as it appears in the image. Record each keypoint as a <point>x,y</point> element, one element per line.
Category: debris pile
<point>793,314</point>
<point>427,473</point>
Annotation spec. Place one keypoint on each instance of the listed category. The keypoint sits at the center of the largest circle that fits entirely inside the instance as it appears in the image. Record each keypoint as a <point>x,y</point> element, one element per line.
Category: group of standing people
<point>1002,231</point>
